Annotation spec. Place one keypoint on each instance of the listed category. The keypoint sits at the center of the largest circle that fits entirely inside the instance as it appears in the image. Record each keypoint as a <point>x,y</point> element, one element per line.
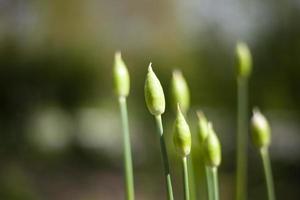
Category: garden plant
<point>210,146</point>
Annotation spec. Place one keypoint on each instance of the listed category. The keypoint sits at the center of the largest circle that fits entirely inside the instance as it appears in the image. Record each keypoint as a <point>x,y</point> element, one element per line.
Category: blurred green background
<point>60,131</point>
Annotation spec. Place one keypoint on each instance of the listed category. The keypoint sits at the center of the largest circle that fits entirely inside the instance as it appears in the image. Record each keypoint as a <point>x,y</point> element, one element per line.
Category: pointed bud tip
<point>118,55</point>
<point>178,108</point>
<point>176,73</point>
<point>209,125</point>
<point>150,67</point>
<point>200,114</point>
<point>255,110</point>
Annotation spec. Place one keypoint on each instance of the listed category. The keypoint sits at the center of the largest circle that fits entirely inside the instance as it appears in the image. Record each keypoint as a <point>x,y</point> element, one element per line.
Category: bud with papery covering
<point>180,91</point>
<point>212,148</point>
<point>261,131</point>
<point>121,77</point>
<point>182,135</point>
<point>202,127</point>
<point>154,94</point>
<point>244,60</point>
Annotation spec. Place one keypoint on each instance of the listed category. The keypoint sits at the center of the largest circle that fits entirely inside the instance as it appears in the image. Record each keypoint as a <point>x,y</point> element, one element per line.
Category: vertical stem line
<point>242,138</point>
<point>164,157</point>
<point>192,179</point>
<point>214,171</point>
<point>192,173</point>
<point>264,152</point>
<point>129,182</point>
<point>209,183</point>
<point>185,179</point>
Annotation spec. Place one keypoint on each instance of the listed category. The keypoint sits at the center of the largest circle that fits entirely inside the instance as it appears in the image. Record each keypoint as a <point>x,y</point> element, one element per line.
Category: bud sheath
<point>202,127</point>
<point>154,94</point>
<point>261,131</point>
<point>244,60</point>
<point>121,77</point>
<point>182,135</point>
<point>180,91</point>
<point>212,149</point>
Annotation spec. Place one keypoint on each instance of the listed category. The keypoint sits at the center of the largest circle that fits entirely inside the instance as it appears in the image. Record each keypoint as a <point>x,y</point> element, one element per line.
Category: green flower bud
<point>182,135</point>
<point>261,131</point>
<point>212,148</point>
<point>244,60</point>
<point>121,76</point>
<point>202,127</point>
<point>154,94</point>
<point>180,91</point>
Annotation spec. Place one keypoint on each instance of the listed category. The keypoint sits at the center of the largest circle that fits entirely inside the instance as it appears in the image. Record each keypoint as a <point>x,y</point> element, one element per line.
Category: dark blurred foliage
<point>60,134</point>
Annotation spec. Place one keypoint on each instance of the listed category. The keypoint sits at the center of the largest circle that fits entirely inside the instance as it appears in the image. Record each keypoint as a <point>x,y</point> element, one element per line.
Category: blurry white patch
<point>99,129</point>
<point>50,129</point>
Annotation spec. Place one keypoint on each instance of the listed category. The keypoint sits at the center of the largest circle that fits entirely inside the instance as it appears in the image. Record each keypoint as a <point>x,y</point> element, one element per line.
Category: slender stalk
<point>129,182</point>
<point>268,172</point>
<point>164,157</point>
<point>192,179</point>
<point>215,183</point>
<point>209,183</point>
<point>186,179</point>
<point>242,140</point>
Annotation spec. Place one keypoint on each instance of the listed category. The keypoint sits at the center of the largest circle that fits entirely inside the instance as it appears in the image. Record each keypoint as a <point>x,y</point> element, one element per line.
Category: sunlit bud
<point>154,94</point>
<point>182,135</point>
<point>261,131</point>
<point>244,60</point>
<point>121,76</point>
<point>202,127</point>
<point>212,148</point>
<point>180,91</point>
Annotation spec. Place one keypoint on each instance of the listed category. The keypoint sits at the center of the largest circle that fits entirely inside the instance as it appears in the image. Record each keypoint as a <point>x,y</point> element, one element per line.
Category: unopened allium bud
<point>182,135</point>
<point>244,60</point>
<point>154,94</point>
<point>121,76</point>
<point>180,91</point>
<point>212,148</point>
<point>261,131</point>
<point>202,127</point>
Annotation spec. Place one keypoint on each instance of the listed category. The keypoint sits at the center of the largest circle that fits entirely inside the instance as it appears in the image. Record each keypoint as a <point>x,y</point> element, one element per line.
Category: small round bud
<point>154,94</point>
<point>121,76</point>
<point>244,60</point>
<point>261,131</point>
<point>180,91</point>
<point>212,148</point>
<point>182,135</point>
<point>202,127</point>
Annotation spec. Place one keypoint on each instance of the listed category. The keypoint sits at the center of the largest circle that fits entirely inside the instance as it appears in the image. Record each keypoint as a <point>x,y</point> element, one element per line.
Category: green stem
<point>164,157</point>
<point>192,173</point>
<point>129,182</point>
<point>242,140</point>
<point>214,172</point>
<point>268,172</point>
<point>186,179</point>
<point>209,182</point>
<point>192,179</point>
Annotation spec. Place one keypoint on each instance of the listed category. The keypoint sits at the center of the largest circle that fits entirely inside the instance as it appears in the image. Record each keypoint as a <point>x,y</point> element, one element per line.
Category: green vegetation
<point>122,86</point>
